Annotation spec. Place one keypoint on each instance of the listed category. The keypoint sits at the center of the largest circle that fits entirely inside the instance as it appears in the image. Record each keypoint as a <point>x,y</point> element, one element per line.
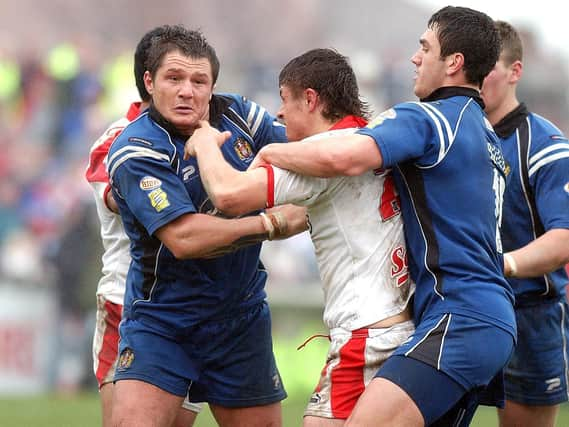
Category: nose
<point>415,59</point>
<point>186,89</point>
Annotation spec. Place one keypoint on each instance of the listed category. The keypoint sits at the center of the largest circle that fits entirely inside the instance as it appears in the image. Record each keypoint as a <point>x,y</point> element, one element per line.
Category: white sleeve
<point>301,190</point>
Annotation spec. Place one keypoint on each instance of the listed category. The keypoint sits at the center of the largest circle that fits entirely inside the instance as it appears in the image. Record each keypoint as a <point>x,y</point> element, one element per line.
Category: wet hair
<point>191,43</point>
<point>472,33</point>
<point>511,44</point>
<point>329,74</point>
<point>140,58</point>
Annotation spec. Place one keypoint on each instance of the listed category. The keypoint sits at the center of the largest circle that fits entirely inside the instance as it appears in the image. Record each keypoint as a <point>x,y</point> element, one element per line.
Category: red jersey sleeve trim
<point>270,185</point>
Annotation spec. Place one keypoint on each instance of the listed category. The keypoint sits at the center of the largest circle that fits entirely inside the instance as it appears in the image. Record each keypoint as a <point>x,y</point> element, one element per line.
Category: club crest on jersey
<point>149,183</point>
<point>125,360</point>
<point>243,148</point>
<point>158,199</point>
<point>388,114</point>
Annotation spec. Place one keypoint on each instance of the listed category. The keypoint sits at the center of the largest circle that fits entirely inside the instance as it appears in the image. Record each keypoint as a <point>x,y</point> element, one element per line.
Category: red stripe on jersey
<point>110,348</point>
<point>347,377</point>
<point>270,185</point>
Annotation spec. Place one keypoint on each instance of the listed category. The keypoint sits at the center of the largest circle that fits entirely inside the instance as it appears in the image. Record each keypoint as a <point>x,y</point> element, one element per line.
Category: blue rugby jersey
<point>537,193</point>
<point>448,168</point>
<point>153,185</point>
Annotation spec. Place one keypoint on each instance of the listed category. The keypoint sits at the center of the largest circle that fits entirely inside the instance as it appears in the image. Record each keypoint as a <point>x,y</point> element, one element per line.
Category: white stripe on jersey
<point>547,160</point>
<point>554,147</point>
<point>251,114</point>
<point>134,152</point>
<point>439,129</point>
<point>259,120</point>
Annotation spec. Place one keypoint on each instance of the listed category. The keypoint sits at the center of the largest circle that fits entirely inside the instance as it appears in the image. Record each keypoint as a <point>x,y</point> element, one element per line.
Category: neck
<point>506,107</point>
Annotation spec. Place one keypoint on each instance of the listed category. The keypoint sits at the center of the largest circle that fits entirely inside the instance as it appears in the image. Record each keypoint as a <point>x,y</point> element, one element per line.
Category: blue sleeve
<point>548,170</point>
<point>404,133</point>
<point>149,186</point>
<point>264,127</point>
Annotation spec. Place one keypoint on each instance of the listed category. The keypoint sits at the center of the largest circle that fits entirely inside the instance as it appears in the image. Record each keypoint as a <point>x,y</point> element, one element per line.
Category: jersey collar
<point>350,122</point>
<point>449,91</point>
<point>511,121</point>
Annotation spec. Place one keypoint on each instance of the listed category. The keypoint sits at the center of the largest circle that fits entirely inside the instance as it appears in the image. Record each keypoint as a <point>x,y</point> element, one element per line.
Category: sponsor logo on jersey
<point>149,183</point>
<point>125,360</point>
<point>399,266</point>
<point>187,172</point>
<point>566,188</point>
<point>507,169</point>
<point>388,114</point>
<point>158,199</point>
<point>243,148</point>
<point>552,384</point>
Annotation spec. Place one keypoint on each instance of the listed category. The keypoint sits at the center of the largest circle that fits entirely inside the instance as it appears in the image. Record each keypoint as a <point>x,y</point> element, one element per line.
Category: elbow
<point>227,202</point>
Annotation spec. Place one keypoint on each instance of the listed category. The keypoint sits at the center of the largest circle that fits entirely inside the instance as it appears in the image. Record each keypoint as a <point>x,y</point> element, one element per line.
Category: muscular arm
<point>327,157</point>
<point>202,236</point>
<point>231,191</point>
<point>544,255</point>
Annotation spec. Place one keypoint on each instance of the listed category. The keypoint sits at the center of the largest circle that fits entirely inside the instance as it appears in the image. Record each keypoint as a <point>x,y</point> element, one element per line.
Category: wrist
<point>275,225</point>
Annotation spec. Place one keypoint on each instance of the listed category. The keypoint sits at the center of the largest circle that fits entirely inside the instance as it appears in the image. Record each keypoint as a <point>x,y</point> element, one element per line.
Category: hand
<point>294,218</point>
<point>204,134</point>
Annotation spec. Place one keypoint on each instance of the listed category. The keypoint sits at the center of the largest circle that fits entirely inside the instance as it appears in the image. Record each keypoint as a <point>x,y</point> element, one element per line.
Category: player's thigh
<point>185,417</point>
<point>140,404</point>
<point>254,416</point>
<point>516,414</point>
<point>384,403</point>
<point>106,397</point>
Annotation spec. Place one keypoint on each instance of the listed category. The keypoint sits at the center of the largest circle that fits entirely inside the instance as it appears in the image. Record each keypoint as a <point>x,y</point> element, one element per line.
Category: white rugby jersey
<point>357,231</point>
<point>116,256</point>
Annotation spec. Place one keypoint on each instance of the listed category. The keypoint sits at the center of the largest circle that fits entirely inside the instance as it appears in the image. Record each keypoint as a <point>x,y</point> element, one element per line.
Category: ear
<point>311,97</point>
<point>516,71</point>
<point>455,63</point>
<point>148,82</point>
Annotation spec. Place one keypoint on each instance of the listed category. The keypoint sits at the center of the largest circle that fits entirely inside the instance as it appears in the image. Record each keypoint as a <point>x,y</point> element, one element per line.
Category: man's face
<point>181,90</point>
<point>430,69</point>
<point>495,87</point>
<point>293,112</point>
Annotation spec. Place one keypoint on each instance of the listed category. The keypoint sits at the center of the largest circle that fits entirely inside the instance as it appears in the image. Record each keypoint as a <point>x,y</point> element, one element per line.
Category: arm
<point>205,236</point>
<point>341,155</point>
<point>541,256</point>
<point>231,191</point>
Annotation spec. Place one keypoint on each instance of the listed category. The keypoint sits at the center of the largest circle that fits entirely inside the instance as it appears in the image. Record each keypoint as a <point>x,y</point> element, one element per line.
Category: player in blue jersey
<point>535,234</point>
<point>195,319</point>
<point>449,171</point>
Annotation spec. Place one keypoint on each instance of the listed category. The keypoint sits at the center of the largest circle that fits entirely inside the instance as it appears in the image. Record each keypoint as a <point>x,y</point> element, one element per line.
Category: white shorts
<point>105,345</point>
<point>352,361</point>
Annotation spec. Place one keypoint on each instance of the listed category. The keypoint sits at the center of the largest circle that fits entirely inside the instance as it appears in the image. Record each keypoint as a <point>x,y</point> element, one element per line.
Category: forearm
<point>546,254</point>
<point>334,156</point>
<point>297,219</point>
<point>231,191</point>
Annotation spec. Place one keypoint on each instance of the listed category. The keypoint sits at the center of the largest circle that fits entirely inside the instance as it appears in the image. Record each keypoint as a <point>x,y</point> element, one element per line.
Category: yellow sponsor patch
<point>158,199</point>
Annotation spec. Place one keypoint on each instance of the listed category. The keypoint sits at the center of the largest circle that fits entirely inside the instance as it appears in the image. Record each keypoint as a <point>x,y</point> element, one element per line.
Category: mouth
<point>183,109</point>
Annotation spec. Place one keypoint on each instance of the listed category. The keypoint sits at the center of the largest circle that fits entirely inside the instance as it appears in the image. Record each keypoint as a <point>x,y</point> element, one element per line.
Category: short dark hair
<point>191,43</point>
<point>329,74</point>
<point>511,43</point>
<point>140,58</point>
<point>470,32</point>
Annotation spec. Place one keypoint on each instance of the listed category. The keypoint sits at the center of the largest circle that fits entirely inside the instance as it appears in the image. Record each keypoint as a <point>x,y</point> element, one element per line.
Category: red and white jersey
<point>116,256</point>
<point>357,231</point>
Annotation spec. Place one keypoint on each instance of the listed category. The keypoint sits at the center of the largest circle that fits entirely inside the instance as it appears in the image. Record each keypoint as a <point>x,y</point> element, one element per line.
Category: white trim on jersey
<point>259,121</point>
<point>134,152</point>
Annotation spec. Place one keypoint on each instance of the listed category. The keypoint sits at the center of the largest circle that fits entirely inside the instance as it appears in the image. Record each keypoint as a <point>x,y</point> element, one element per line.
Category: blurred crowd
<point>54,104</point>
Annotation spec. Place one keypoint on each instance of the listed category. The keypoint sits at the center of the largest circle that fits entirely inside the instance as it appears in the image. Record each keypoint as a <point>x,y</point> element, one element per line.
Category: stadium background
<point>66,72</point>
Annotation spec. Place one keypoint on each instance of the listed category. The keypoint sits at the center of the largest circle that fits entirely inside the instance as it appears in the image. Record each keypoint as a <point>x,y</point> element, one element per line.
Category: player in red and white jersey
<point>354,223</point>
<point>116,257</point>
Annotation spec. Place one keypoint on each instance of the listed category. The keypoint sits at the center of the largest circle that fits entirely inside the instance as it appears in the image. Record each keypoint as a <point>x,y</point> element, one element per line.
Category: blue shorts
<point>458,357</point>
<point>228,363</point>
<point>537,372</point>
